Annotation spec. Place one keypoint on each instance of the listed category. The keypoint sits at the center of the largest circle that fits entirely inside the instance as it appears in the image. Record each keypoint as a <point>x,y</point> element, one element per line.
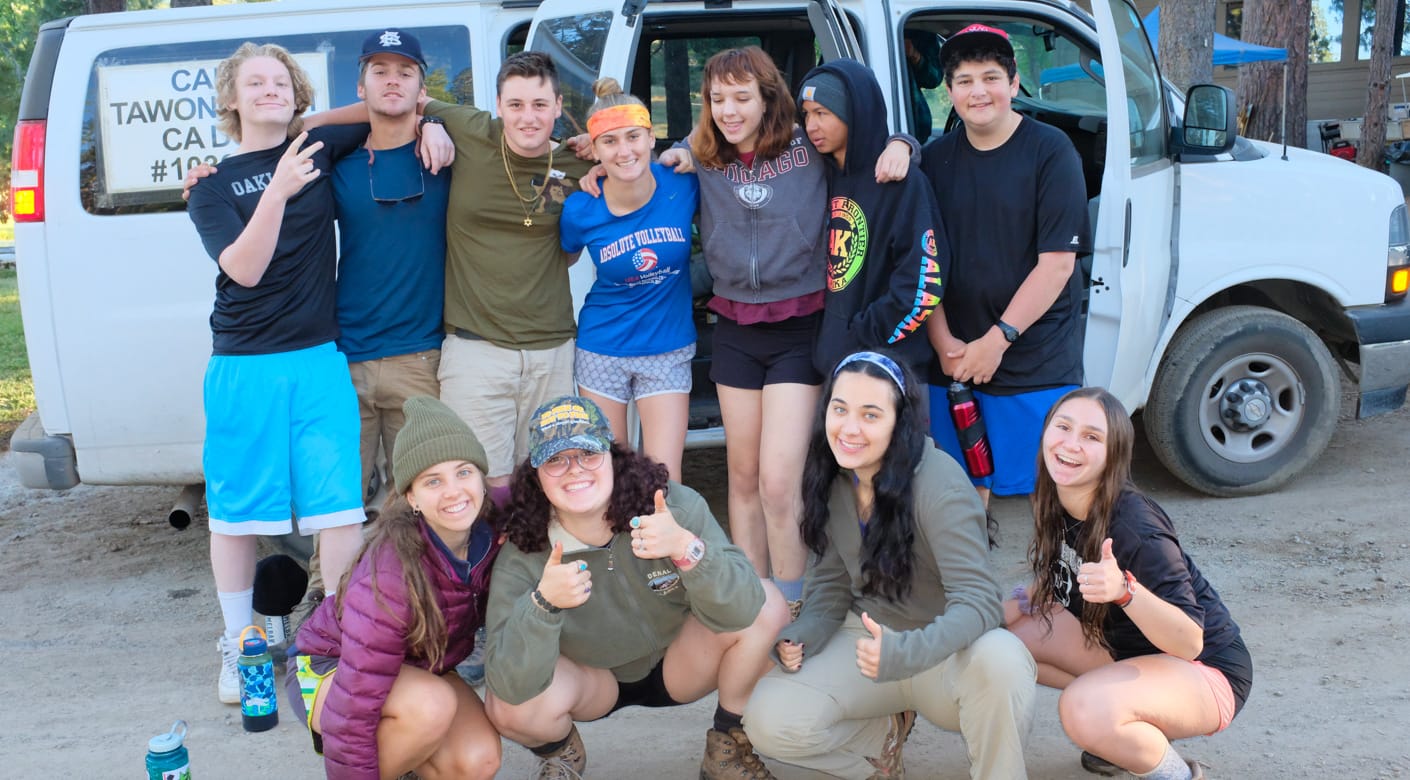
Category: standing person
<point>281,413</point>
<point>391,249</point>
<point>1015,206</point>
<point>1117,614</point>
<point>763,219</point>
<point>887,253</point>
<point>618,588</point>
<point>901,612</point>
<point>372,672</point>
<point>508,311</point>
<point>636,333</point>
<point>922,72</point>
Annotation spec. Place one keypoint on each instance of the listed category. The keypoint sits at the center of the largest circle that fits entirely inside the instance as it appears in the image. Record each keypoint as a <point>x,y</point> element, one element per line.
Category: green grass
<point>16,389</point>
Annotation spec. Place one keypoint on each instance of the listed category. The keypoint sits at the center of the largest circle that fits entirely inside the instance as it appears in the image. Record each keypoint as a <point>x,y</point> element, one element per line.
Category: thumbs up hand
<point>1101,581</point>
<point>564,585</point>
<point>869,648</point>
<point>657,535</point>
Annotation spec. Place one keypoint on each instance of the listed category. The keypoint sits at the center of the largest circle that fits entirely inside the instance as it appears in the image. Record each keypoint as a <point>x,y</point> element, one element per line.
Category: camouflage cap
<point>568,422</point>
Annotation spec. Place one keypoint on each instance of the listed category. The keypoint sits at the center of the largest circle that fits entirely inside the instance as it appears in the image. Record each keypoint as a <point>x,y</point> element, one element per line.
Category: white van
<point>1229,280</point>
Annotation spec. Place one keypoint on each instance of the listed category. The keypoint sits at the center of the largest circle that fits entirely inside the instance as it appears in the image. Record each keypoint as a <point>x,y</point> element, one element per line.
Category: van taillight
<point>27,172</point>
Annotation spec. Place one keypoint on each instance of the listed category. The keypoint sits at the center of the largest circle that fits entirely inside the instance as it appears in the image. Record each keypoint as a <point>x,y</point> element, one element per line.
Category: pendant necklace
<point>524,203</point>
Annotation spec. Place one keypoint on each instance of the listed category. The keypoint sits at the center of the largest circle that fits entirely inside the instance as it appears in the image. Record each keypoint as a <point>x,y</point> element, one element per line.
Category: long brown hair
<point>739,66</point>
<point>400,526</point>
<point>1050,519</point>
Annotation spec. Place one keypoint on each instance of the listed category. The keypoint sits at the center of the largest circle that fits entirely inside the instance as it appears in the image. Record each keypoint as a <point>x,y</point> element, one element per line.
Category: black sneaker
<point>1100,766</point>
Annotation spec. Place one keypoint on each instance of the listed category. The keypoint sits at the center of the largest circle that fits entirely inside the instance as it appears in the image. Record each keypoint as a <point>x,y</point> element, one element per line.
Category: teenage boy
<point>508,307</point>
<point>1012,195</point>
<point>887,255</point>
<point>281,413</point>
<point>391,248</point>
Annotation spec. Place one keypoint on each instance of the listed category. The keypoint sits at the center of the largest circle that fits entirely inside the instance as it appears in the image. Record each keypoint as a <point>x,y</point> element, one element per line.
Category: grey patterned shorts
<point>624,378</point>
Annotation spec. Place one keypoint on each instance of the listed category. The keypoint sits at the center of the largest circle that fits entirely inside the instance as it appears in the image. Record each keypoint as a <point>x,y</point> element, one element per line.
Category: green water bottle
<point>166,755</point>
<point>259,709</point>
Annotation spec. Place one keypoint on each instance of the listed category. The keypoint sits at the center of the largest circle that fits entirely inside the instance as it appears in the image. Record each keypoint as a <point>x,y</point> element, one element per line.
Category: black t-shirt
<point>1143,541</point>
<point>294,305</point>
<point>1001,209</point>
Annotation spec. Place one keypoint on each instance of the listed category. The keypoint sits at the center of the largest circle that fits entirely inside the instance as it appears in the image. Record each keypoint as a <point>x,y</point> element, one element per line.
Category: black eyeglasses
<point>393,184</point>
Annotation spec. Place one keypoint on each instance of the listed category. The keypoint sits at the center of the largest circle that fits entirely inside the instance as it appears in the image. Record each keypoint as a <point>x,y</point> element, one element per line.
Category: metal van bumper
<point>1383,333</point>
<point>42,461</point>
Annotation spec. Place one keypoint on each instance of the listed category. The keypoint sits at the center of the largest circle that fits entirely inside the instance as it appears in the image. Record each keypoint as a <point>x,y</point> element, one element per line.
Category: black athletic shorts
<point>766,353</point>
<point>650,691</point>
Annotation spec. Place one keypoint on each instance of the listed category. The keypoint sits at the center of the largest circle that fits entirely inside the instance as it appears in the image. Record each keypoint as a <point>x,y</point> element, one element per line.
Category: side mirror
<point>1210,124</point>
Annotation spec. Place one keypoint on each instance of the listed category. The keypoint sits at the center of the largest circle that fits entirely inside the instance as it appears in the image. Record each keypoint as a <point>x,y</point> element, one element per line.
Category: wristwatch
<point>693,553</point>
<point>1009,331</point>
<point>432,120</point>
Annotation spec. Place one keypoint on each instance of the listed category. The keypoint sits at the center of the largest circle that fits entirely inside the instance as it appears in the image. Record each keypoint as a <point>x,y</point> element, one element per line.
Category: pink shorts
<point>1223,695</point>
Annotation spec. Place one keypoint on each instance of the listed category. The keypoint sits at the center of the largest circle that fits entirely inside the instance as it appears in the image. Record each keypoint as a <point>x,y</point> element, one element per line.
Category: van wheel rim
<point>1252,407</point>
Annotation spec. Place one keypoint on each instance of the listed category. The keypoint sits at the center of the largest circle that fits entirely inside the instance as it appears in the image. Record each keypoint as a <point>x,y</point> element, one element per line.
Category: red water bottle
<point>969,428</point>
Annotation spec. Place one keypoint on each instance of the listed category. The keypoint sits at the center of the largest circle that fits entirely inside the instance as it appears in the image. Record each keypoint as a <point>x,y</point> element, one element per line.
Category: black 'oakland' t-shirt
<point>1001,208</point>
<point>1144,543</point>
<point>294,305</point>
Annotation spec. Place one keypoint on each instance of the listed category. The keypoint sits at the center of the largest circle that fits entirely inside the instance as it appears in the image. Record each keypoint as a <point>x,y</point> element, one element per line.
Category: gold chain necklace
<point>524,203</point>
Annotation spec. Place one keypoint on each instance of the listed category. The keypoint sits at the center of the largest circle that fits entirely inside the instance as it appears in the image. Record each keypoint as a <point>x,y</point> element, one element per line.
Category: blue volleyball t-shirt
<point>640,302</point>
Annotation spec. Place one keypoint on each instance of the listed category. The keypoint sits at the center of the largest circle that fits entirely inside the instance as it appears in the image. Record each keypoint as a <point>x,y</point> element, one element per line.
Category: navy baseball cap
<point>393,42</point>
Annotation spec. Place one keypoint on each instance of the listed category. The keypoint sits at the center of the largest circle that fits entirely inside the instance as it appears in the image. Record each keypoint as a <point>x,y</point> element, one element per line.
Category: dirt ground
<point>109,623</point>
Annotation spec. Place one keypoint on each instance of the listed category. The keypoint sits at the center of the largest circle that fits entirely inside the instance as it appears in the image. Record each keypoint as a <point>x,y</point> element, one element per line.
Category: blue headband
<point>880,361</point>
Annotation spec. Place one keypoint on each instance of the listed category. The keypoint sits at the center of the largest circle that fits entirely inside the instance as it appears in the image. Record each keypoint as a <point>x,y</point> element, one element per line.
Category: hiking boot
<point>472,669</point>
<point>730,756</point>
<point>228,688</point>
<point>889,765</point>
<point>565,763</point>
<point>1100,766</point>
<point>795,608</point>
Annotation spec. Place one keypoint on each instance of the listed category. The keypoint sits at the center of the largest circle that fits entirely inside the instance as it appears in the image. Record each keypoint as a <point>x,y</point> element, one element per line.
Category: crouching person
<point>373,668</point>
<point>901,612</point>
<point>618,588</point>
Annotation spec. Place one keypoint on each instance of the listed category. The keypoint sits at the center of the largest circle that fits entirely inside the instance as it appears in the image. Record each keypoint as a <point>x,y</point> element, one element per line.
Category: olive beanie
<point>432,434</point>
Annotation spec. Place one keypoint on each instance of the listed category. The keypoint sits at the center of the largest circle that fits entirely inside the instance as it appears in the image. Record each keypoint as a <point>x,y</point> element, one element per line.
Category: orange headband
<point>616,117</point>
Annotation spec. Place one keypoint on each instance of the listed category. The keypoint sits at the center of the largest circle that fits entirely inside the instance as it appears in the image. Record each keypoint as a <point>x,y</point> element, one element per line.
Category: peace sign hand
<point>295,168</point>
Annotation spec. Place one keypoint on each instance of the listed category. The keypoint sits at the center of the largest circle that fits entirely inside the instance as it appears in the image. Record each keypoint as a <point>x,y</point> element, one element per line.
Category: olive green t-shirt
<point>506,282</point>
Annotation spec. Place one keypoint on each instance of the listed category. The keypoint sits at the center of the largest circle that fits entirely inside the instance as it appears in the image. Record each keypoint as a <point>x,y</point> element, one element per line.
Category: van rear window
<point>150,113</point>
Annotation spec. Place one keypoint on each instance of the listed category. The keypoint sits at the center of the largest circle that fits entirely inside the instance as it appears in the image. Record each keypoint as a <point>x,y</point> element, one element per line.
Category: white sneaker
<point>229,686</point>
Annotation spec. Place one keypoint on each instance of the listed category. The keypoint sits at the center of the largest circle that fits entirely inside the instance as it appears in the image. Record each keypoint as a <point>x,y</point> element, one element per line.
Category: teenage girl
<point>372,671</point>
<point>1118,616</point>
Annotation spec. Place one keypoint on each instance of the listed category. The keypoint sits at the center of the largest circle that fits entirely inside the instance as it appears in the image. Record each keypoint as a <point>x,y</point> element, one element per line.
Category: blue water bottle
<point>259,709</point>
<point>166,755</point>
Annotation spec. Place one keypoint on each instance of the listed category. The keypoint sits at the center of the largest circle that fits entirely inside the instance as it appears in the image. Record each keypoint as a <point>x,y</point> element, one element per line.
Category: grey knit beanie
<point>433,434</point>
<point>827,89</point>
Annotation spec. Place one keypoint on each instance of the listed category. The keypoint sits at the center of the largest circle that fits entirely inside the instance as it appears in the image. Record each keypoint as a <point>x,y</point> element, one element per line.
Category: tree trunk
<point>1284,24</point>
<point>106,6</point>
<point>1372,147</point>
<point>1187,42</point>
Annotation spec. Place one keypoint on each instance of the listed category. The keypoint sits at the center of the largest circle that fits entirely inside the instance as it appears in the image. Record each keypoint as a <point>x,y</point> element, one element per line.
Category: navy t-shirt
<point>1144,543</point>
<point>1002,208</point>
<point>293,305</point>
<point>391,253</point>
<point>640,303</point>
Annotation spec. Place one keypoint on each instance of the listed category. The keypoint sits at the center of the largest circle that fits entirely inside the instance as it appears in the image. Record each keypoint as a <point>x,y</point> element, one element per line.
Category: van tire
<point>1245,398</point>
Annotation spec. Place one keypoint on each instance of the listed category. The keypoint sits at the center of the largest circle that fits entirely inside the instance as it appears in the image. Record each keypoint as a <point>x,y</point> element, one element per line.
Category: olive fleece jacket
<point>636,608</point>
<point>954,595</point>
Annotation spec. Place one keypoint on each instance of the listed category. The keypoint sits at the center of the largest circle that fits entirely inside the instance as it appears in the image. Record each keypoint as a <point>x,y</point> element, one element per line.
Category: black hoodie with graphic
<point>887,252</point>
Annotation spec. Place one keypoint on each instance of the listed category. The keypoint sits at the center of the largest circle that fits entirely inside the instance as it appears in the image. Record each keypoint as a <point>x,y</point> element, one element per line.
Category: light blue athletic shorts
<point>282,434</point>
<point>1015,427</point>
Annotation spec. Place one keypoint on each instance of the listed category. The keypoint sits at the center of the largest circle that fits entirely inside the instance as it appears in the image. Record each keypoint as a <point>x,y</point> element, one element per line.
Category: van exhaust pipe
<point>185,506</point>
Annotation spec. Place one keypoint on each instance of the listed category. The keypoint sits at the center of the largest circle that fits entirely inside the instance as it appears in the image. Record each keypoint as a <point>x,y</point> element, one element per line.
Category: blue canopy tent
<point>1227,51</point>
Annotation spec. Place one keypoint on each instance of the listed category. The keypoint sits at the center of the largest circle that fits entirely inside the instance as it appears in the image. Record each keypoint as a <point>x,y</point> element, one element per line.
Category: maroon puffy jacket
<point>370,645</point>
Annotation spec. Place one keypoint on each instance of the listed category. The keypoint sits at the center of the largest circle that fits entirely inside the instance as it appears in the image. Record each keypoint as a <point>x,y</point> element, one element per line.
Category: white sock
<point>1171,767</point>
<point>238,610</point>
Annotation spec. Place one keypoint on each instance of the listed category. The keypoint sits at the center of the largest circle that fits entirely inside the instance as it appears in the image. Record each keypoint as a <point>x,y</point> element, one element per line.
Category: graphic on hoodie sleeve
<point>928,286</point>
<point>847,236</point>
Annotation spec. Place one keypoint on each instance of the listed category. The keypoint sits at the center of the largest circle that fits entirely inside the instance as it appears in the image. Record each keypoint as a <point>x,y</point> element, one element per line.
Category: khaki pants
<point>830,718</point>
<point>495,391</point>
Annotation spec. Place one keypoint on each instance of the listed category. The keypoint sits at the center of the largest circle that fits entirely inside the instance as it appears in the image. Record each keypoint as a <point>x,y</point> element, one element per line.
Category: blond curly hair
<point>229,69</point>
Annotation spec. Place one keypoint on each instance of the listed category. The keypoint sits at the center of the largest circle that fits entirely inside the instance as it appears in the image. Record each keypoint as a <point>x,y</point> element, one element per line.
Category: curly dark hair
<point>635,480</point>
<point>887,556</point>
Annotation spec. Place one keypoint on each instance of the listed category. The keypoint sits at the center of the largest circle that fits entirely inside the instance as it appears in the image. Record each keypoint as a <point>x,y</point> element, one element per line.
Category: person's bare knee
<point>1086,714</point>
<point>472,758</point>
